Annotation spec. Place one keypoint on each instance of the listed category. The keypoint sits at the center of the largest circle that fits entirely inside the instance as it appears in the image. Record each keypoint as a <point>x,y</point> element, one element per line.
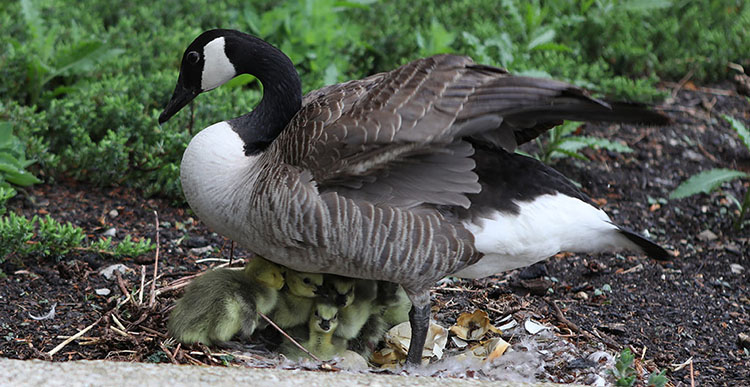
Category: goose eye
<point>193,57</point>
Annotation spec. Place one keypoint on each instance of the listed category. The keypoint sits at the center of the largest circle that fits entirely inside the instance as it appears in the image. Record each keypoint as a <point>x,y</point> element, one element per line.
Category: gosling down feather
<point>404,176</point>
<point>223,302</point>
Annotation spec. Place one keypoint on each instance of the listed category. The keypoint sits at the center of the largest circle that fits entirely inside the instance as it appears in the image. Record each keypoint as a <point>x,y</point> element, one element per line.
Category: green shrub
<point>48,238</point>
<point>15,233</point>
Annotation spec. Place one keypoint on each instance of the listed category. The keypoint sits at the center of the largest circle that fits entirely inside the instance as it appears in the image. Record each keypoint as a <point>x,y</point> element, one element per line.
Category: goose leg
<point>419,320</point>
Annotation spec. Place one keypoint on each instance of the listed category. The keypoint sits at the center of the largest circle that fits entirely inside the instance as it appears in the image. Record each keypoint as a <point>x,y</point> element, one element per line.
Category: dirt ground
<point>693,307</point>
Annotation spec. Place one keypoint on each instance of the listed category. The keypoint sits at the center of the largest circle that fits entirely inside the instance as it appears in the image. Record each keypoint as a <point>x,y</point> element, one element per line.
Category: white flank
<point>544,227</point>
<point>217,69</point>
<point>216,177</point>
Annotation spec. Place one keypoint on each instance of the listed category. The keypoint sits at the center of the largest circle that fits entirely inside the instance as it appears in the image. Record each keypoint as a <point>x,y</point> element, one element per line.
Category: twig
<point>71,338</point>
<point>609,342</point>
<point>149,330</point>
<point>560,317</point>
<point>192,359</point>
<point>268,320</point>
<point>692,375</point>
<point>683,81</point>
<point>231,253</point>
<point>122,286</point>
<point>705,153</point>
<point>156,264</point>
<point>143,284</point>
<point>204,260</point>
<point>118,331</point>
<point>706,90</point>
<point>119,324</point>
<point>457,290</point>
<point>168,353</point>
<point>184,281</point>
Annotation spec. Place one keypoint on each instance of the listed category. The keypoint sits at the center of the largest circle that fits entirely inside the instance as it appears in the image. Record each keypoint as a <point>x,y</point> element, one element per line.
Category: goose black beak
<point>181,97</point>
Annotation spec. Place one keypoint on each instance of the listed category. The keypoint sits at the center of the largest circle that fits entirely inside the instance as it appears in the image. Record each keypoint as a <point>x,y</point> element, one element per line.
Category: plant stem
<point>743,210</point>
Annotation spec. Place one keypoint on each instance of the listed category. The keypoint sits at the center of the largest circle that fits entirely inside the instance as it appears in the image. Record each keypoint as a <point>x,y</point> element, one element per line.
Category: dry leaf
<point>473,326</point>
<point>387,356</point>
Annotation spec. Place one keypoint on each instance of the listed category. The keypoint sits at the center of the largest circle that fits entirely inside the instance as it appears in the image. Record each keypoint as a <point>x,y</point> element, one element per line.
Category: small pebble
<point>736,268</point>
<point>113,214</point>
<point>582,296</point>
<point>707,235</point>
<point>195,241</point>
<point>201,250</point>
<point>102,292</point>
<point>109,271</point>
<point>112,232</point>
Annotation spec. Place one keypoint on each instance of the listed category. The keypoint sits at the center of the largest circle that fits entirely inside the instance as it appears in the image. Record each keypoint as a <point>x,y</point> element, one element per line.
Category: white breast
<point>215,174</point>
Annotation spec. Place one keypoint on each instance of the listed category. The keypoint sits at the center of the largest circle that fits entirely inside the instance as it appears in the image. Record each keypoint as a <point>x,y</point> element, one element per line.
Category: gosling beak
<point>181,97</point>
<point>325,325</point>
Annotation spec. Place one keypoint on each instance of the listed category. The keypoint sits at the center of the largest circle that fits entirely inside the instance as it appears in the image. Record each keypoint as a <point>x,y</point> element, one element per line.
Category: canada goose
<point>355,300</point>
<point>369,335</point>
<point>222,302</point>
<point>296,299</point>
<point>319,338</point>
<point>393,303</point>
<point>366,310</point>
<point>398,176</point>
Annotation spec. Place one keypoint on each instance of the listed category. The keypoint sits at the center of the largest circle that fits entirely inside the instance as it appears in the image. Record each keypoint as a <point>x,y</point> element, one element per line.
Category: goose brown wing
<point>401,137</point>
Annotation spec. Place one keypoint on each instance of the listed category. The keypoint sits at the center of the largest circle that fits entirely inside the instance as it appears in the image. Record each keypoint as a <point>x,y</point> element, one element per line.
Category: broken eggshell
<point>534,327</point>
<point>399,337</point>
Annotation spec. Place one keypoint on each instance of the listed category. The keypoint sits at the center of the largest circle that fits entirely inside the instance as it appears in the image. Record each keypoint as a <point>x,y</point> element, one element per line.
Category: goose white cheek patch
<point>217,69</point>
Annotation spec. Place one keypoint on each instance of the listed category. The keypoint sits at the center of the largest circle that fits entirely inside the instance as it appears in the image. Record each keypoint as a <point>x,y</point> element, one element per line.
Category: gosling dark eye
<point>193,57</point>
<point>306,281</point>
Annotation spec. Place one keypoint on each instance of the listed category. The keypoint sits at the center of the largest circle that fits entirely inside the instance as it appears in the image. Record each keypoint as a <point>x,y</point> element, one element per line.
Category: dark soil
<point>692,307</point>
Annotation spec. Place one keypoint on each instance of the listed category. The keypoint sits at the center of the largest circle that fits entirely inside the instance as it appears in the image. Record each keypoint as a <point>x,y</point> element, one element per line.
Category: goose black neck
<point>282,90</point>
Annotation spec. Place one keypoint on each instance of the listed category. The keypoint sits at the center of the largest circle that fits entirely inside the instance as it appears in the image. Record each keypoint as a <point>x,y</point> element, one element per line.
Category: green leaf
<point>82,57</point>
<point>17,176</point>
<point>706,182</point>
<point>240,80</point>
<point>543,38</point>
<point>658,379</point>
<point>571,144</point>
<point>33,20</point>
<point>6,135</point>
<point>597,142</point>
<point>644,5</point>
<point>552,47</point>
<point>740,129</point>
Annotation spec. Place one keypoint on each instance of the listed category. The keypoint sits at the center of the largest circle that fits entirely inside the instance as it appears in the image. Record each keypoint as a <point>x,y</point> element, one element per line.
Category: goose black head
<point>206,64</point>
